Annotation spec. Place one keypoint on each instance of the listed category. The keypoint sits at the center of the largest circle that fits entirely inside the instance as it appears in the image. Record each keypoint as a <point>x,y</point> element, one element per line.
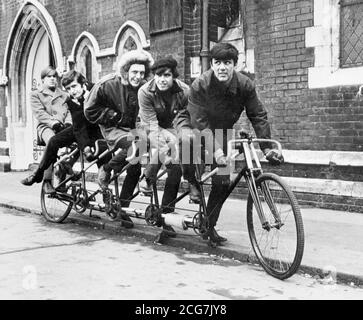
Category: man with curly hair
<point>113,105</point>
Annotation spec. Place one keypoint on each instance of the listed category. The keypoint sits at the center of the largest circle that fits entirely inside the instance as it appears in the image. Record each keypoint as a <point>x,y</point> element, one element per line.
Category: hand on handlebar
<point>88,153</point>
<point>273,157</point>
<point>221,159</point>
<point>58,127</point>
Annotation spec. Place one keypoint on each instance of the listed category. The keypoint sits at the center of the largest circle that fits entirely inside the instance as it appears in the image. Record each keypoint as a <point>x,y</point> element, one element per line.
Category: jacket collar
<point>175,88</point>
<point>232,86</point>
<point>55,94</point>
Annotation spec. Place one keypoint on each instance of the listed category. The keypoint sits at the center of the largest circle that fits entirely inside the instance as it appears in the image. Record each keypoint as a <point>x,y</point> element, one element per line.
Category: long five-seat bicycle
<point>274,219</point>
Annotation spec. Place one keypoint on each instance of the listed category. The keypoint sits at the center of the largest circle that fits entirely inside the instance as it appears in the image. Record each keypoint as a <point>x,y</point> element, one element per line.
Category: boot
<point>33,178</point>
<point>169,231</point>
<point>214,236</point>
<point>126,220</point>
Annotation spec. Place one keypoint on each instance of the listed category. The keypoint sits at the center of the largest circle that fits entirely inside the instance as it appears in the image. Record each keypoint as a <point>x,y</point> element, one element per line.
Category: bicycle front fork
<point>266,194</point>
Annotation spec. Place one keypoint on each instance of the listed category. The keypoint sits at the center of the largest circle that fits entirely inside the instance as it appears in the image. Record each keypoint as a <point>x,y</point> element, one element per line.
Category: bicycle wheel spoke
<point>54,207</point>
<point>278,245</point>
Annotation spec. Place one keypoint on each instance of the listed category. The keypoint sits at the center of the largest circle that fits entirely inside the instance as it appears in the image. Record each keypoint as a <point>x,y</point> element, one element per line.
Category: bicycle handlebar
<point>250,141</point>
<point>134,151</point>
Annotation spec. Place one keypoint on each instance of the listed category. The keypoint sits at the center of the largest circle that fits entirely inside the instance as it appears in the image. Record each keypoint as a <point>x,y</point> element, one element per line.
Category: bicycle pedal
<point>194,201</point>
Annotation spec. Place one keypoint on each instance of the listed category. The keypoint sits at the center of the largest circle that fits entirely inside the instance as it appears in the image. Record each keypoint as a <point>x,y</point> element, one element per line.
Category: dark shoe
<point>33,178</point>
<point>169,231</point>
<point>48,188</point>
<point>104,178</point>
<point>214,236</point>
<point>194,195</point>
<point>126,220</point>
<point>146,187</point>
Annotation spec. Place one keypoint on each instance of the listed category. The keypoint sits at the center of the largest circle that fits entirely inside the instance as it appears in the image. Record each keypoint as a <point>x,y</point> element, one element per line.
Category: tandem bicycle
<point>274,220</point>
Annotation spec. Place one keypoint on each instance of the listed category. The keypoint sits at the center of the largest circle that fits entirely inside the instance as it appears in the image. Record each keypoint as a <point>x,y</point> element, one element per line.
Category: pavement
<point>333,239</point>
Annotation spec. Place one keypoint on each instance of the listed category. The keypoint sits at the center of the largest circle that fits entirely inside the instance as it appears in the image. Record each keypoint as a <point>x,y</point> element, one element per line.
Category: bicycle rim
<point>56,207</point>
<point>281,248</point>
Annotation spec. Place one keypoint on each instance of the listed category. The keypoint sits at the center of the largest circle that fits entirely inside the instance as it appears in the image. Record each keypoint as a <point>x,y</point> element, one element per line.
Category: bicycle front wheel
<point>56,207</point>
<point>277,237</point>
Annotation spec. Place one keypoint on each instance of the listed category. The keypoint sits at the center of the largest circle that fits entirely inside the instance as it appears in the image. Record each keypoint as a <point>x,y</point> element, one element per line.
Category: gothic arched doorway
<point>32,45</point>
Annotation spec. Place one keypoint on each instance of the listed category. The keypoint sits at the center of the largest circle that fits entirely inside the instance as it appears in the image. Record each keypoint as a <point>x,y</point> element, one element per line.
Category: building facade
<point>305,56</point>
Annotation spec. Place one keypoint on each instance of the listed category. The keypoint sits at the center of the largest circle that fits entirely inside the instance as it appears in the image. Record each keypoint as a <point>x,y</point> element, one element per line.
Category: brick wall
<point>192,34</point>
<point>101,18</point>
<point>325,119</point>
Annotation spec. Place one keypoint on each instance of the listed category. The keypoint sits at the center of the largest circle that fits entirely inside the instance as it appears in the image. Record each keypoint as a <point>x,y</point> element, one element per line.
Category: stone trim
<point>324,37</point>
<point>49,26</point>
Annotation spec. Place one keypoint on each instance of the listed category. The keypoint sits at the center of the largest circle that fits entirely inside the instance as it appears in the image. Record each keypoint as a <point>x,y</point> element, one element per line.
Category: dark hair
<point>165,63</point>
<point>161,70</point>
<point>72,75</point>
<point>224,51</point>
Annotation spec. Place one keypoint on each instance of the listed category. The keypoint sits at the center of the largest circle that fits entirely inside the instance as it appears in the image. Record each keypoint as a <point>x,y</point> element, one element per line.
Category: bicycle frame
<point>250,170</point>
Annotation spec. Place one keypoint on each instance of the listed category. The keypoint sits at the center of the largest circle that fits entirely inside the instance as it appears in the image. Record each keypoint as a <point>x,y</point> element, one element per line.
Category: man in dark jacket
<point>82,131</point>
<point>113,105</point>
<point>85,133</point>
<point>161,100</point>
<point>217,99</point>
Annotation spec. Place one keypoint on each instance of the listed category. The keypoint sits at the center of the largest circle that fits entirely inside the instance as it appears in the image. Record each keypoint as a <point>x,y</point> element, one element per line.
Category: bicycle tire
<point>56,207</point>
<point>262,240</point>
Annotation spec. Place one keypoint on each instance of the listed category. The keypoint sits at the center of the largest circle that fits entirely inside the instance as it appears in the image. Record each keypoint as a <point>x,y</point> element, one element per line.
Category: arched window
<point>88,64</point>
<point>128,41</point>
<point>85,60</point>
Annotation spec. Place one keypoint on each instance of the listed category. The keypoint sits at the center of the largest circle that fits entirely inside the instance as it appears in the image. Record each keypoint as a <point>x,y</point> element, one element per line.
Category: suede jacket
<point>153,111</point>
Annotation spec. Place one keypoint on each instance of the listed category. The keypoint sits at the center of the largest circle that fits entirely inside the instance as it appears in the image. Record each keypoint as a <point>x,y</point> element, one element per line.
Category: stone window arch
<point>85,60</point>
<point>129,37</point>
<point>128,41</point>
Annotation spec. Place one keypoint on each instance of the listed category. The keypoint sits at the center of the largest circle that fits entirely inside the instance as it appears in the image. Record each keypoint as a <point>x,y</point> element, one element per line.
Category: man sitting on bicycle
<point>161,100</point>
<point>217,99</point>
<point>82,131</point>
<point>49,105</point>
<point>85,132</point>
<point>113,105</point>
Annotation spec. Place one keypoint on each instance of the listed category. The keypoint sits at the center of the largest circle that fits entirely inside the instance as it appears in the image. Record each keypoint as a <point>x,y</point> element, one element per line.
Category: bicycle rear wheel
<point>279,244</point>
<point>56,207</point>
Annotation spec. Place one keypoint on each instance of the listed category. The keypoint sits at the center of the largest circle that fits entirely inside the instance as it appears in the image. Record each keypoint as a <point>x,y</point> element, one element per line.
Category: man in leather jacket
<point>113,105</point>
<point>217,99</point>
